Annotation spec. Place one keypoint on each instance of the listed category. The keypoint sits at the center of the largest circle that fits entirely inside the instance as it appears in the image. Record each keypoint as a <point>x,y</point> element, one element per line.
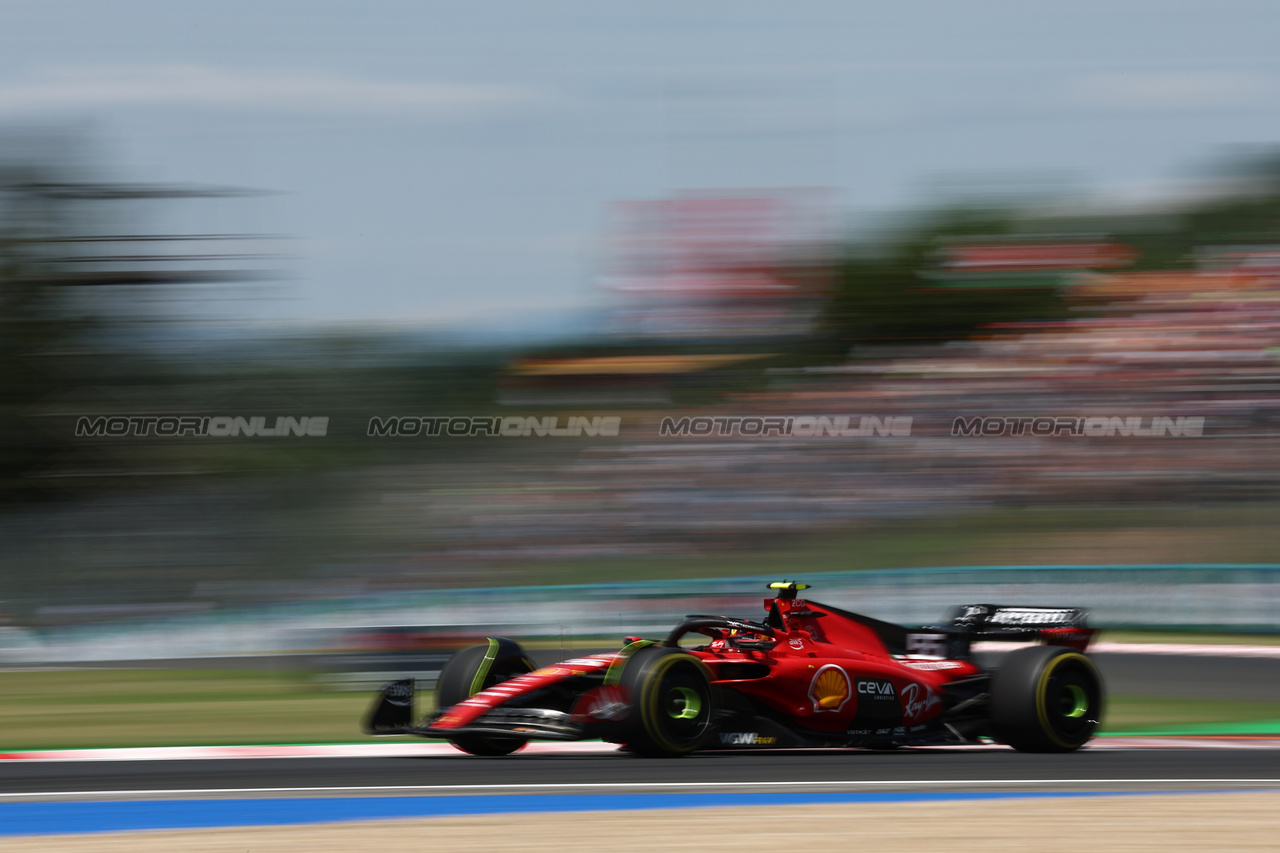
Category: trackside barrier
<point>1204,597</point>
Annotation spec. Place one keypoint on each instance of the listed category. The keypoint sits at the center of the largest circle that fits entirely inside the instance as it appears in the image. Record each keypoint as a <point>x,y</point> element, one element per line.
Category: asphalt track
<point>993,769</point>
<point>1226,678</point>
<point>1200,764</point>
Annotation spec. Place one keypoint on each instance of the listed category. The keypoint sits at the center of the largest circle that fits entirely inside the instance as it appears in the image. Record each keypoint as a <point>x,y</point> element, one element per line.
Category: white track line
<point>544,787</point>
<point>1187,742</point>
<point>1197,649</point>
<point>339,750</point>
<point>1163,649</point>
<point>436,750</point>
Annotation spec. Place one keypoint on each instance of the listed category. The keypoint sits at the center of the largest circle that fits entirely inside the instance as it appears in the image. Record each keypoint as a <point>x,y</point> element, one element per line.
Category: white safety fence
<point>1194,598</point>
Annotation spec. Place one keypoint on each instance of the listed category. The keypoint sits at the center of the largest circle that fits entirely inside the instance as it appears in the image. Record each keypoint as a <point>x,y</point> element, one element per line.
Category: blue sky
<point>450,163</point>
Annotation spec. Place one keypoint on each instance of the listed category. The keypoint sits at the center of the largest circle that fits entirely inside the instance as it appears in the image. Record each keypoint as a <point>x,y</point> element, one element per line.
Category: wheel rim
<point>1073,702</point>
<point>683,703</point>
<point>680,709</point>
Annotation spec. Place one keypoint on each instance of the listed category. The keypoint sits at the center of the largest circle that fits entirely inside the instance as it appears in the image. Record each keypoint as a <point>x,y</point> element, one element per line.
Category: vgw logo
<point>746,739</point>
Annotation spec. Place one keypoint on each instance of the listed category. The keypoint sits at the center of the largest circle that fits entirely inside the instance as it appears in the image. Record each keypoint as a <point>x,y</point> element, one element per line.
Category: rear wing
<point>1055,626</point>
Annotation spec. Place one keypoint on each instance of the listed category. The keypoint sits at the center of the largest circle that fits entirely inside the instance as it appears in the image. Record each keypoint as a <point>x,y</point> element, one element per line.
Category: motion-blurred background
<point>659,214</point>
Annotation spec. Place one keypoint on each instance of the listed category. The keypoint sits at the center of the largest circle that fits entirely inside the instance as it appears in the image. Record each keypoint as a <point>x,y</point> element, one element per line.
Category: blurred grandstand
<point>964,312</point>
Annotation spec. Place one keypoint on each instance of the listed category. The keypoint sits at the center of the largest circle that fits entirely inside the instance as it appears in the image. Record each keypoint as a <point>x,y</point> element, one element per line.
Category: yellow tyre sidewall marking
<point>482,671</point>
<point>651,699</point>
<point>1042,710</point>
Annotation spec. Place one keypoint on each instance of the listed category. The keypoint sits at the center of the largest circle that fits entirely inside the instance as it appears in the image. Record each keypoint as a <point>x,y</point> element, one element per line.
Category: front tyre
<point>672,702</point>
<point>1046,699</point>
<point>479,668</point>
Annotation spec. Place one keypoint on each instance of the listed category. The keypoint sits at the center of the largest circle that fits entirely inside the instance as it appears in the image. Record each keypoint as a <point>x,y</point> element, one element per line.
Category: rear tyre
<point>470,671</point>
<point>672,702</point>
<point>1046,699</point>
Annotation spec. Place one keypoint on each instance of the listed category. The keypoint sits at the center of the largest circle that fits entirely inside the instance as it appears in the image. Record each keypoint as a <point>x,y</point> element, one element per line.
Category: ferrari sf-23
<point>809,675</point>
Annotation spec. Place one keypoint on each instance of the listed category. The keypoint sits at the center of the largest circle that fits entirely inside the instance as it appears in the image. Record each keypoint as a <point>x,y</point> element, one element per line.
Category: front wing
<point>393,714</point>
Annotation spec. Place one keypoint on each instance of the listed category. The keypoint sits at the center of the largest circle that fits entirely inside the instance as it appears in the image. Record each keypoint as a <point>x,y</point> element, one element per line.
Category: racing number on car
<point>927,645</point>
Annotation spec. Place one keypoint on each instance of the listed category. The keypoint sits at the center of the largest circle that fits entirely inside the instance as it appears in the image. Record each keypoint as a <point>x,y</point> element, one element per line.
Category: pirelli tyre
<point>478,668</point>
<point>1046,699</point>
<point>672,702</point>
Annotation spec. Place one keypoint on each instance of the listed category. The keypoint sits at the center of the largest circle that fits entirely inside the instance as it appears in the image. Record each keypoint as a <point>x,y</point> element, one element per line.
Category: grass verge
<point>1136,715</point>
<point>82,709</point>
<point>69,709</point>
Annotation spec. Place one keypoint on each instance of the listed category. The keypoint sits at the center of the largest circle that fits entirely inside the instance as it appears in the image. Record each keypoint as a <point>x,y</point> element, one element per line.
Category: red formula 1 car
<point>809,675</point>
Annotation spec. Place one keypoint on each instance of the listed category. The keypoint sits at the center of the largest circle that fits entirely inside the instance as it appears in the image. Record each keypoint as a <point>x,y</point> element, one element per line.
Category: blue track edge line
<point>65,818</point>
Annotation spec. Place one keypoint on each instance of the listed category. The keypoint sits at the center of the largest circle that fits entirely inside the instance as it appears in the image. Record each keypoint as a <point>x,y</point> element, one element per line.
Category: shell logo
<point>830,688</point>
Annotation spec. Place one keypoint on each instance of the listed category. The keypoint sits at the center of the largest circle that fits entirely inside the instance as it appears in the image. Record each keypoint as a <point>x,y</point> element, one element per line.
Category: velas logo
<point>399,693</point>
<point>830,688</point>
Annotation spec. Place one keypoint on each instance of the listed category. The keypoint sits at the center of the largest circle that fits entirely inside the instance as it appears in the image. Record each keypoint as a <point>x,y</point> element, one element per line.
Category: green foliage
<point>42,323</point>
<point>884,294</point>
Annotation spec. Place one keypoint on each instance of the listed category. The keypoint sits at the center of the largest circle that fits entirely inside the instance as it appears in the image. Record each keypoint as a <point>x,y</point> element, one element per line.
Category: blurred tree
<point>884,294</point>
<point>59,246</point>
<point>40,324</point>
